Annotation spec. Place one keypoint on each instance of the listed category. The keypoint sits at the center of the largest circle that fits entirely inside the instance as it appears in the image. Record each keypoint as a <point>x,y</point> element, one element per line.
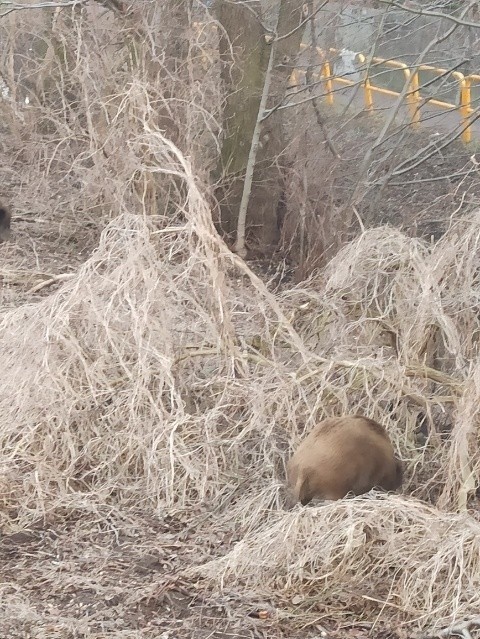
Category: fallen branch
<point>7,7</point>
<point>435,376</point>
<point>62,277</point>
<point>461,629</point>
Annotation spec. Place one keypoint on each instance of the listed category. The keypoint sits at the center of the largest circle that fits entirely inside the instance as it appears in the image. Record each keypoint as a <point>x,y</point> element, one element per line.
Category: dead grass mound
<point>376,556</point>
<point>130,386</point>
<point>165,374</point>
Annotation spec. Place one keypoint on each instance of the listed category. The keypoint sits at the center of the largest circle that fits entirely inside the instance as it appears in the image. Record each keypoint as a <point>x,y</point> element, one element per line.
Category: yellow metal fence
<point>413,97</point>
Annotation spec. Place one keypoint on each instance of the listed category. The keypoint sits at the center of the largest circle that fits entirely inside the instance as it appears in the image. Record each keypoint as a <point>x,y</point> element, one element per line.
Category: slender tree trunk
<point>244,53</point>
<point>250,44</point>
<point>269,174</point>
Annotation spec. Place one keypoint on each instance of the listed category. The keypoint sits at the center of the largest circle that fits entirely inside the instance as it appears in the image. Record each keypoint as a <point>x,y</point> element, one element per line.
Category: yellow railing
<point>413,98</point>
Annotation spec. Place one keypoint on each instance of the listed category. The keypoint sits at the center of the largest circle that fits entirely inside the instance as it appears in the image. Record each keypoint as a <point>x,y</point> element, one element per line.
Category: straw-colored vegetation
<point>163,379</point>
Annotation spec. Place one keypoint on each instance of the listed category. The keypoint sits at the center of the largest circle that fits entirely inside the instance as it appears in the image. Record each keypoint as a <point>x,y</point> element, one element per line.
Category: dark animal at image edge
<point>343,455</point>
<point>5,218</point>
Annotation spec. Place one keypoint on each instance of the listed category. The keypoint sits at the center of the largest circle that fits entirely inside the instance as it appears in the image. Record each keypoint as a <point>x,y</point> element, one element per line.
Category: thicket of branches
<point>166,375</point>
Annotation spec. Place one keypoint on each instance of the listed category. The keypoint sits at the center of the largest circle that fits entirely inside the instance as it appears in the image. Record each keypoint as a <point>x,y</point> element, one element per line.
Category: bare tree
<point>249,42</point>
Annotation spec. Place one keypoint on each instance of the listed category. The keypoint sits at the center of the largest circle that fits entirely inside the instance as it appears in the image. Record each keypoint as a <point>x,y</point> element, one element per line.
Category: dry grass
<point>376,556</point>
<point>164,374</point>
<point>164,377</point>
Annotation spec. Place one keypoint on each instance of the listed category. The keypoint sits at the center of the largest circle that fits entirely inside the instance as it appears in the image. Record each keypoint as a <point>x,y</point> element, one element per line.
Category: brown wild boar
<point>5,218</point>
<point>341,455</point>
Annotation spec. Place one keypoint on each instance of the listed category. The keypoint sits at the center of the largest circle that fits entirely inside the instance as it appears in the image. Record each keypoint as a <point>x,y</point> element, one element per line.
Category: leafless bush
<point>83,83</point>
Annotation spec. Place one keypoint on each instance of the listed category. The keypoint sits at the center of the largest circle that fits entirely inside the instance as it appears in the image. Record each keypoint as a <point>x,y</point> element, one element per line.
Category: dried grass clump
<point>130,384</point>
<point>390,556</point>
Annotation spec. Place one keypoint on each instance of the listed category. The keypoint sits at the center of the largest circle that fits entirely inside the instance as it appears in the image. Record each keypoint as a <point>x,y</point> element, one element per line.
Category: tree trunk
<point>268,178</point>
<point>251,49</point>
<point>244,54</point>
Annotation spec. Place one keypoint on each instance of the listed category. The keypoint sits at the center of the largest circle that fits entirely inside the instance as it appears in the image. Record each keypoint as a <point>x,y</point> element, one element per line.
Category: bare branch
<point>7,7</point>
<point>247,185</point>
<point>405,167</point>
<point>310,15</point>
<point>433,14</point>
<point>309,76</point>
<point>61,277</point>
<point>394,110</point>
